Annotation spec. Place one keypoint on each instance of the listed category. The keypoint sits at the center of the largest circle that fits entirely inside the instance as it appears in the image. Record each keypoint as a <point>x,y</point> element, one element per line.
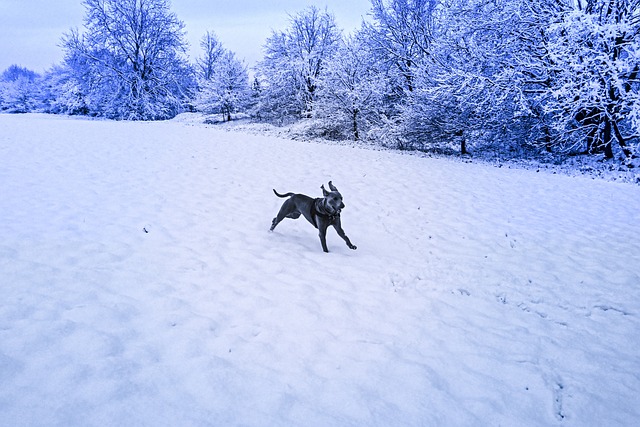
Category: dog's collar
<point>318,209</point>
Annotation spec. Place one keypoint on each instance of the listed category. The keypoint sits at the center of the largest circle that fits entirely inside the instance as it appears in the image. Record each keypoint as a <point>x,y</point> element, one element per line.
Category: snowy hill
<point>140,285</point>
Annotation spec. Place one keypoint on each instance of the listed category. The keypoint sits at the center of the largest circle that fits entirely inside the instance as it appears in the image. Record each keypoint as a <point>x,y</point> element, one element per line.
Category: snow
<point>140,285</point>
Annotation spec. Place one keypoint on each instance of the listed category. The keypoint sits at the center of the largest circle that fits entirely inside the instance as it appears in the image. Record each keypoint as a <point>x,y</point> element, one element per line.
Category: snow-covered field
<point>140,285</point>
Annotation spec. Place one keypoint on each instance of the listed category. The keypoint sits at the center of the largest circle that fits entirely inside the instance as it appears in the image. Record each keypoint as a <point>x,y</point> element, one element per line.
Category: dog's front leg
<point>322,232</point>
<point>338,226</point>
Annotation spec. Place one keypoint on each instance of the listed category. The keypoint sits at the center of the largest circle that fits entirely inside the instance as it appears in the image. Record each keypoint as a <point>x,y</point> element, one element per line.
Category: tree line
<point>519,77</point>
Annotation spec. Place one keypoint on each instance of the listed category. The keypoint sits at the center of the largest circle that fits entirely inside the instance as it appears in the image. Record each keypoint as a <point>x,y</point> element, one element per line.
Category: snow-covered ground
<point>140,285</point>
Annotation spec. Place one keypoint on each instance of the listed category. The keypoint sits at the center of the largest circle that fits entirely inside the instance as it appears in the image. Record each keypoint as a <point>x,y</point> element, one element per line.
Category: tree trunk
<point>463,142</point>
<point>621,140</point>
<point>547,139</point>
<point>356,135</point>
<point>607,136</point>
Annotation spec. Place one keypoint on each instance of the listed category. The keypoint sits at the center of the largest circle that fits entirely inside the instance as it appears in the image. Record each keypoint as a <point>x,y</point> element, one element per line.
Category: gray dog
<point>321,212</point>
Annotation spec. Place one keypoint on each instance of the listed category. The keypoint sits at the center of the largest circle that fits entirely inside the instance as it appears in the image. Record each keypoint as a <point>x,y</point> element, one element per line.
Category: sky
<point>31,30</point>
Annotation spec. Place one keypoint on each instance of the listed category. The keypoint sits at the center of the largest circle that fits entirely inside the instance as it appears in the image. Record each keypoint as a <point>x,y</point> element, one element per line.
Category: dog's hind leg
<point>277,220</point>
<point>286,211</point>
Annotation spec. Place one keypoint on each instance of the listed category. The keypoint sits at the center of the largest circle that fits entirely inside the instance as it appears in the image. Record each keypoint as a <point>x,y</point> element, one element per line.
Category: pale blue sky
<point>30,30</point>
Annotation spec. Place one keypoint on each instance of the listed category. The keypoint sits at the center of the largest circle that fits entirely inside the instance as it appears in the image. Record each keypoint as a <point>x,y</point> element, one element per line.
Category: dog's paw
<point>354,247</point>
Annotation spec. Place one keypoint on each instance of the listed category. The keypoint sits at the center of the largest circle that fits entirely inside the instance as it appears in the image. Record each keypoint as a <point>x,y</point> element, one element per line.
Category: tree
<point>595,52</point>
<point>130,59</point>
<point>278,82</point>
<point>16,72</point>
<point>212,50</point>
<point>60,92</point>
<point>401,35</point>
<point>470,88</point>
<point>294,62</point>
<point>227,90</point>
<point>19,90</point>
<point>351,90</point>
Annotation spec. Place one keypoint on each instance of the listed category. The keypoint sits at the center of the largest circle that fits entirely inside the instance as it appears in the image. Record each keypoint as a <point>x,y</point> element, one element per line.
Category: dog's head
<point>332,199</point>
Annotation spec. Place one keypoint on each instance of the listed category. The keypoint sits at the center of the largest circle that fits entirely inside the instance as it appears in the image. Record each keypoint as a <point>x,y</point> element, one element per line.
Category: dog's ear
<point>332,187</point>
<point>324,192</point>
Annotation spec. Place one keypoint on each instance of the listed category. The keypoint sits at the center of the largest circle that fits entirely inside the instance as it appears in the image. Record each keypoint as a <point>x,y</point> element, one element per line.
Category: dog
<point>321,212</point>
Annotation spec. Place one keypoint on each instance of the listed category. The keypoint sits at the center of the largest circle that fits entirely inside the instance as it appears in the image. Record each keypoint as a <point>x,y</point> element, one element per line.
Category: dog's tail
<point>282,195</point>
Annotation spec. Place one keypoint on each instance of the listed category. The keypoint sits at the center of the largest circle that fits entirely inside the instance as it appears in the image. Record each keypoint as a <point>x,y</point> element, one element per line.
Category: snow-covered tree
<point>227,90</point>
<point>130,60</point>
<point>470,88</point>
<point>16,72</point>
<point>212,50</point>
<point>549,73</point>
<point>594,50</point>
<point>401,35</point>
<point>60,92</point>
<point>19,90</point>
<point>294,62</point>
<point>351,90</point>
<point>278,82</point>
